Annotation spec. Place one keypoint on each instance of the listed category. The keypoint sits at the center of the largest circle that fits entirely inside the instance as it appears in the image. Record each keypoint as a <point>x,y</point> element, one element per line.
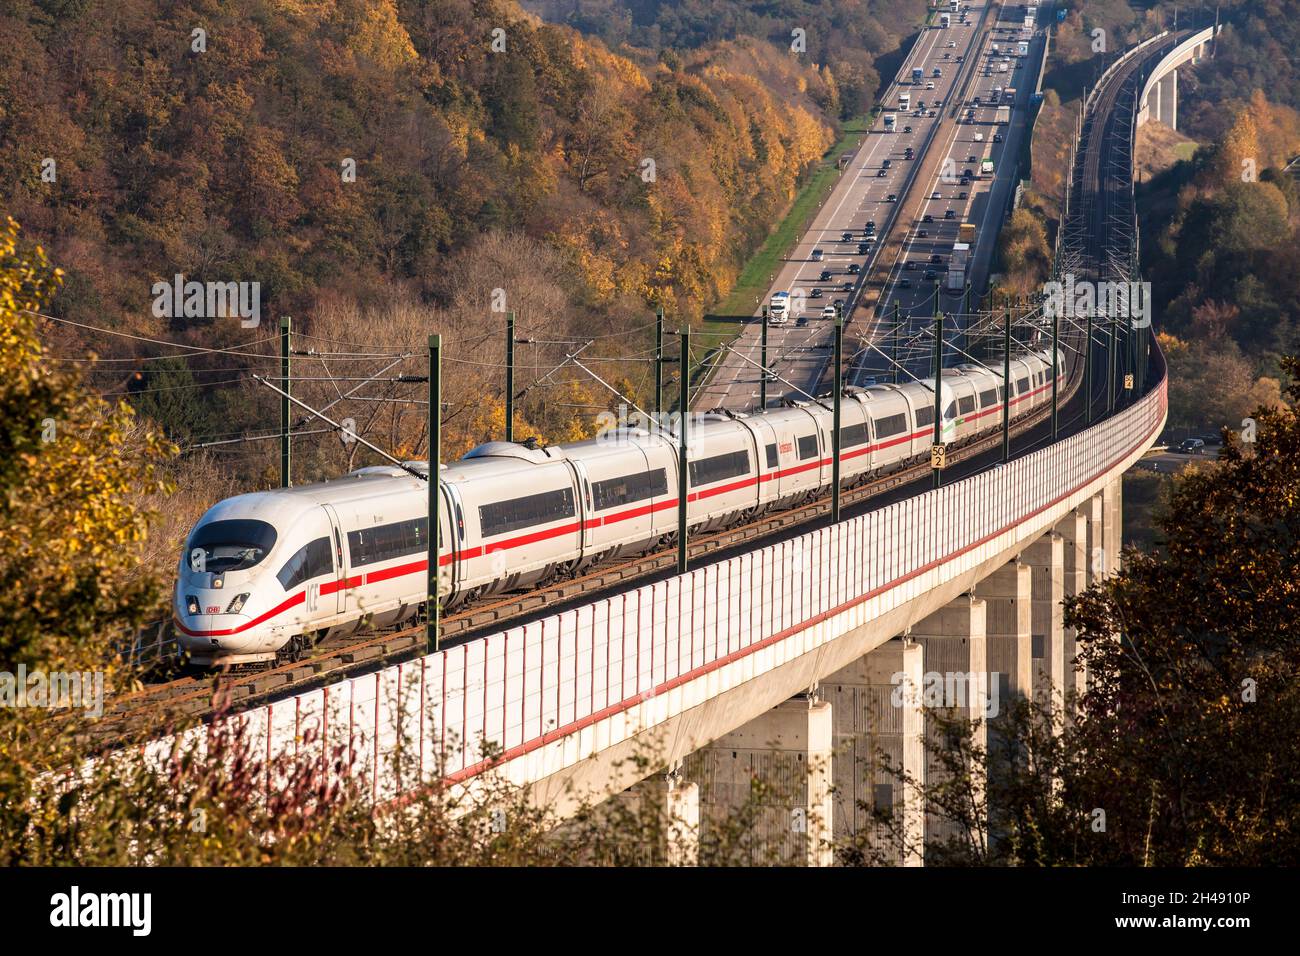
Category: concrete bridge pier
<point>873,713</point>
<point>1052,659</point>
<point>788,751</point>
<point>1073,529</point>
<point>1008,595</point>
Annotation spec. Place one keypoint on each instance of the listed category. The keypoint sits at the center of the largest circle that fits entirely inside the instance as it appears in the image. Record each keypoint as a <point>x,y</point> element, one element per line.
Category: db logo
<point>214,609</point>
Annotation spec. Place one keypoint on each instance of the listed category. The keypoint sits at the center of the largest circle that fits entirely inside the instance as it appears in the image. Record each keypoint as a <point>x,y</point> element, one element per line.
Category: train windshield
<point>232,545</point>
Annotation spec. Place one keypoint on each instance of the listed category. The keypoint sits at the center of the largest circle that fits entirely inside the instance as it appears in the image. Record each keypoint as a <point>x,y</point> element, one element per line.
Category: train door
<point>334,597</point>
<point>582,482</point>
<point>451,539</point>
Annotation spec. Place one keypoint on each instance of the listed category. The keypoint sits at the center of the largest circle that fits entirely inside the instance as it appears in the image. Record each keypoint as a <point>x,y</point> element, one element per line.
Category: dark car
<point>864,248</point>
<point>826,274</point>
<point>801,321</point>
<point>997,137</point>
<point>892,197</point>
<point>907,129</point>
<point>968,174</point>
<point>871,225</point>
<point>976,101</point>
<point>922,234</point>
<point>927,218</point>
<point>854,268</point>
<point>962,195</point>
<point>905,283</point>
<point>929,275</point>
<point>971,159</point>
<point>886,164</point>
<point>936,258</point>
<point>1192,446</point>
<point>909,264</point>
<point>881,173</point>
<point>815,294</point>
<point>950,214</point>
<point>847,237</point>
<point>846,287</point>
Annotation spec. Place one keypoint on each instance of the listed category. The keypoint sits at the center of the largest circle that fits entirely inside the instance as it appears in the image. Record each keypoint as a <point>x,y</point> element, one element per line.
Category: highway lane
<point>949,199</point>
<point>799,350</point>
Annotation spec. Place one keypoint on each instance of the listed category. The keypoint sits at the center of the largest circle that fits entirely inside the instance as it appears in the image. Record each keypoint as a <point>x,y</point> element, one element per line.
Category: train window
<point>630,488</point>
<point>232,545</point>
<point>988,398</point>
<point>1002,393</point>
<point>310,561</point>
<point>503,516</point>
<point>851,435</point>
<point>966,404</point>
<point>729,465</point>
<point>807,447</point>
<point>388,541</point>
<point>925,416</point>
<point>891,425</point>
<point>772,459</point>
<point>1022,386</point>
<point>950,412</point>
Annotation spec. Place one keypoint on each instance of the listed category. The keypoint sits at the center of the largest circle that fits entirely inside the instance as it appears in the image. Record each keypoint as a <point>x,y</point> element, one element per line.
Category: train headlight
<point>191,604</point>
<point>237,604</point>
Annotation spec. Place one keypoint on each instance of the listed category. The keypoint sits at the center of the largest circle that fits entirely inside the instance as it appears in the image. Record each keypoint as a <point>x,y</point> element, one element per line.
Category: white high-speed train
<point>269,573</point>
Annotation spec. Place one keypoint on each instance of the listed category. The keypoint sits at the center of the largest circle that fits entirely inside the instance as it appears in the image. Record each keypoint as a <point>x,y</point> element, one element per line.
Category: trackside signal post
<point>937,457</point>
<point>1006,389</point>
<point>836,441</point>
<point>435,455</point>
<point>285,479</point>
<point>762,360</point>
<point>510,376</point>
<point>659,360</point>
<point>1056,336</point>
<point>683,416</point>
<point>1087,371</point>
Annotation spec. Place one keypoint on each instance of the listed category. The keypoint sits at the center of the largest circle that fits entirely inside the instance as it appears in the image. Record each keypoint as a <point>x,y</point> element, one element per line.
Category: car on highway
<point>828,312</point>
<point>997,137</point>
<point>846,287</point>
<point>930,85</point>
<point>937,104</point>
<point>936,72</point>
<point>931,113</point>
<point>881,173</point>
<point>854,268</point>
<point>936,258</point>
<point>905,283</point>
<point>1191,446</point>
<point>826,274</point>
<point>922,234</point>
<point>927,218</point>
<point>838,303</point>
<point>815,294</point>
<point>909,265</point>
<point>920,104</point>
<point>907,129</point>
<point>818,255</point>
<point>962,195</point>
<point>976,101</point>
<point>970,114</point>
<point>968,173</point>
<point>960,58</point>
<point>950,214</point>
<point>979,137</point>
<point>929,275</point>
<point>909,153</point>
<point>972,159</point>
<point>947,56</point>
<point>800,322</point>
<point>870,227</point>
<point>846,237</point>
<point>864,248</point>
<point>952,44</point>
<point>886,163</point>
<point>892,197</point>
<point>934,195</point>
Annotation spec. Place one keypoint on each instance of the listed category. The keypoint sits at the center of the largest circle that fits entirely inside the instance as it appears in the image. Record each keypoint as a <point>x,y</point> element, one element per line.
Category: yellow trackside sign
<point>939,456</point>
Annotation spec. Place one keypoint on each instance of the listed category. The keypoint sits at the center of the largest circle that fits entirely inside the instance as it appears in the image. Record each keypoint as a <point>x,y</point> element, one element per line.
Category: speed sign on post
<point>939,456</point>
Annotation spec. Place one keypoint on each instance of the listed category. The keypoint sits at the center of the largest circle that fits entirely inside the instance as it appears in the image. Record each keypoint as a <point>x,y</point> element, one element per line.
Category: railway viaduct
<point>788,655</point>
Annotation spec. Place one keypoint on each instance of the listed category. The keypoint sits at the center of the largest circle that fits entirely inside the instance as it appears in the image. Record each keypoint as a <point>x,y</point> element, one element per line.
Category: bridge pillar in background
<point>787,749</point>
<point>955,643</point>
<point>1112,499</point>
<point>1170,95</point>
<point>873,713</point>
<point>1007,593</point>
<point>1052,665</point>
<point>1073,529</point>
<point>653,822</point>
<point>1098,561</point>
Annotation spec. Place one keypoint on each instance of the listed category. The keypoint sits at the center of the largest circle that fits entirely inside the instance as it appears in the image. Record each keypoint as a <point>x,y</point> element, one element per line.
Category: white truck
<point>1022,48</point>
<point>1003,116</point>
<point>918,74</point>
<point>779,308</point>
<point>891,122</point>
<point>945,21</point>
<point>957,267</point>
